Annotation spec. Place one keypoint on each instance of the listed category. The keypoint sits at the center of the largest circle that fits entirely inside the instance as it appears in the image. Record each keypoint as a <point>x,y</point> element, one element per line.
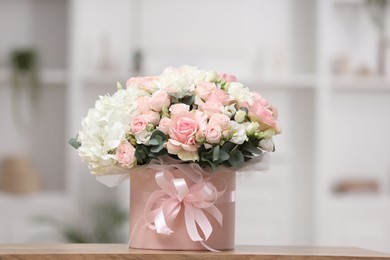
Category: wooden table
<point>119,251</point>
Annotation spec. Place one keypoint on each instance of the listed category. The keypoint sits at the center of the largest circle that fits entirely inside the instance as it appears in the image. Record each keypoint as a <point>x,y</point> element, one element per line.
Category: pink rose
<point>138,124</point>
<point>145,83</point>
<point>201,118</point>
<point>125,154</point>
<point>179,108</point>
<point>164,125</point>
<point>220,96</point>
<point>220,120</point>
<point>213,134</point>
<point>262,112</point>
<point>158,100</point>
<point>143,104</point>
<point>210,108</point>
<point>204,89</point>
<point>182,136</point>
<point>227,77</point>
<point>152,117</point>
<point>259,99</point>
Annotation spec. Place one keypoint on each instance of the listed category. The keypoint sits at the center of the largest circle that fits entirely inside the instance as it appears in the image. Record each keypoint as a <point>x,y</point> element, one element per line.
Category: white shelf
<point>361,84</point>
<point>47,76</point>
<point>282,82</point>
<point>348,2</point>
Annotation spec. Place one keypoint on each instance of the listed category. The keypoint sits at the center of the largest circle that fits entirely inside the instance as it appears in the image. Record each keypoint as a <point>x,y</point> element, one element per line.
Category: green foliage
<point>103,224</point>
<point>188,100</point>
<point>213,157</point>
<point>156,148</point>
<point>236,158</point>
<point>73,142</point>
<point>141,153</point>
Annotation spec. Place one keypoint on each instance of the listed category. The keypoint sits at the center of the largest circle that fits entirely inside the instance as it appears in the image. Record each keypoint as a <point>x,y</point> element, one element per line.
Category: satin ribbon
<point>164,205</point>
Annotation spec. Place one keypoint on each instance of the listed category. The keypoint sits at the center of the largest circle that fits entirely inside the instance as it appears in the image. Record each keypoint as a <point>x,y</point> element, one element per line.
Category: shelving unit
<point>361,84</point>
<point>53,77</point>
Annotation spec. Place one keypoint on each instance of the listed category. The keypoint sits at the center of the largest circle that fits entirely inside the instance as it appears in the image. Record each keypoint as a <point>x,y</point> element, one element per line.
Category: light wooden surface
<point>120,251</point>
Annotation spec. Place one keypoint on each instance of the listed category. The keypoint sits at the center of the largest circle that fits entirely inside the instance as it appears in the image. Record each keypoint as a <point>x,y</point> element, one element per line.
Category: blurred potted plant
<point>25,78</point>
<point>377,10</point>
<point>105,225</point>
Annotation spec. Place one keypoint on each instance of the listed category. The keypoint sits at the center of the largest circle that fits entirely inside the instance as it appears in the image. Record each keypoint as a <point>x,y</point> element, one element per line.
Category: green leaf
<point>157,148</point>
<point>160,136</point>
<point>247,146</point>
<point>223,156</point>
<point>73,142</point>
<point>216,153</point>
<point>188,100</point>
<point>153,141</point>
<point>244,109</point>
<point>236,158</point>
<point>228,146</point>
<point>141,153</point>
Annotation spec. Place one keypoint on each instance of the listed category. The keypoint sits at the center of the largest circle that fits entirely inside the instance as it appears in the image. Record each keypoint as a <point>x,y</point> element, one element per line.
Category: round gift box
<point>143,184</point>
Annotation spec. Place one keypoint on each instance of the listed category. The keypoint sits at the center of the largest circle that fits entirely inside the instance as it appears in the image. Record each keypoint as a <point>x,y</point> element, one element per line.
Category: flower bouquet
<point>181,137</point>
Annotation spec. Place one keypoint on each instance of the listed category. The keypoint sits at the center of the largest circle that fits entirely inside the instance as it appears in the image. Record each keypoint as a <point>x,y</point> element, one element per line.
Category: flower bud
<point>133,141</point>
<point>240,115</point>
<point>267,133</point>
<point>252,128</point>
<point>200,138</point>
<point>212,76</point>
<point>149,127</point>
<point>227,134</point>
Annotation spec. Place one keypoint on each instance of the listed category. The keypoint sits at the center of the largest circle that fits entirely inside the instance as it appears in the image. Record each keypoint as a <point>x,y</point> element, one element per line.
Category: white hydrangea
<point>180,82</point>
<point>240,92</point>
<point>105,128</point>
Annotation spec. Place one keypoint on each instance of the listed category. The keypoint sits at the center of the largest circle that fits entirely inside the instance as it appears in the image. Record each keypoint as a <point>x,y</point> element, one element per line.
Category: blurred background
<point>324,63</point>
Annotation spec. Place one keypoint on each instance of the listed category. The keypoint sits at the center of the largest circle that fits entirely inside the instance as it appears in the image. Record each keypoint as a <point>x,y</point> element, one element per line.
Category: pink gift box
<point>143,183</point>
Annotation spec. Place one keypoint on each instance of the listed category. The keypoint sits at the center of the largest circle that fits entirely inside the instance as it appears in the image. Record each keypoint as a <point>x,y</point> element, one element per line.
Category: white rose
<point>238,133</point>
<point>240,92</point>
<point>143,137</point>
<point>229,110</point>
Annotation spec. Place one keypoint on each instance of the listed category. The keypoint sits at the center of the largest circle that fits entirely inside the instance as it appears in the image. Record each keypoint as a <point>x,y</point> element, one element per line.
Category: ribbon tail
<point>203,223</point>
<point>209,247</point>
<point>216,213</point>
<point>161,224</point>
<point>190,222</point>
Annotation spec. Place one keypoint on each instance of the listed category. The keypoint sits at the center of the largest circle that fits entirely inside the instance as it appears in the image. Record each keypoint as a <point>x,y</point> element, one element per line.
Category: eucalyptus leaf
<point>160,136</point>
<point>236,158</point>
<point>153,141</point>
<point>157,148</point>
<point>223,156</point>
<point>188,100</point>
<point>215,153</point>
<point>247,146</point>
<point>73,142</point>
<point>228,146</point>
<point>141,153</point>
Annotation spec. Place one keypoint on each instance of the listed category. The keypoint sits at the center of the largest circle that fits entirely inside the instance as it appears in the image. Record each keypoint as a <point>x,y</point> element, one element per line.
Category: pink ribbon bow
<point>164,205</point>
